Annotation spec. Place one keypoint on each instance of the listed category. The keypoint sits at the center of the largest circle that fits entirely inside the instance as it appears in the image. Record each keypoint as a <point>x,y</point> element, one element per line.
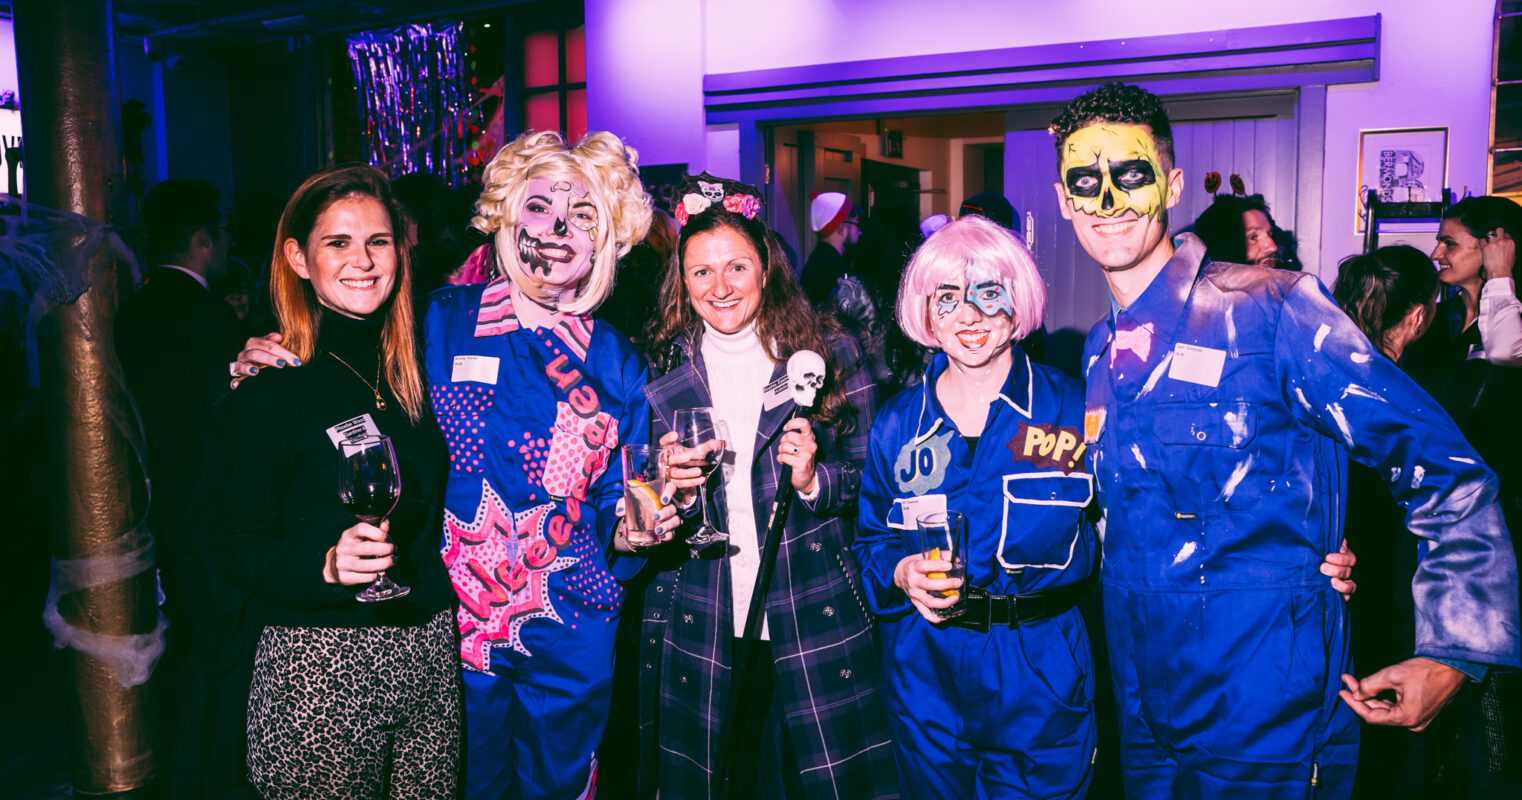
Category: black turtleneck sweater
<point>277,509</point>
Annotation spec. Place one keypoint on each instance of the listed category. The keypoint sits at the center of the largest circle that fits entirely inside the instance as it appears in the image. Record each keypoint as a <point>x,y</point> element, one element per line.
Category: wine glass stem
<point>703,498</point>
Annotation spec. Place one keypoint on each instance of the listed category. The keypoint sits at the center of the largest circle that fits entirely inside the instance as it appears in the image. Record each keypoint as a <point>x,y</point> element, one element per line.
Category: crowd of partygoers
<point>538,491</point>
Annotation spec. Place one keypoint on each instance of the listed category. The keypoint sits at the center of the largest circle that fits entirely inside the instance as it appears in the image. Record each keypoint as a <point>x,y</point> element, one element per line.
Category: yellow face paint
<point>1110,168</point>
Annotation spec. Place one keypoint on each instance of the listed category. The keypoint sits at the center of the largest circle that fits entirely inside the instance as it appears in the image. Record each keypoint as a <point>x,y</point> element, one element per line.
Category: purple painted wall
<point>8,79</point>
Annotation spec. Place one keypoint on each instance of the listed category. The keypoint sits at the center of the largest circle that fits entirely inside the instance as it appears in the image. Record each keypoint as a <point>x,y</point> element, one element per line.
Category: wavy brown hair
<point>295,303</point>
<point>1377,290</point>
<point>785,321</point>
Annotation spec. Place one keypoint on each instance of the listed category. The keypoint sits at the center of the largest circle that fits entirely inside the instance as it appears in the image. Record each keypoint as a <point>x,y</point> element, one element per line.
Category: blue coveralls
<point>1008,713</point>
<point>1222,406</point>
<point>533,419</point>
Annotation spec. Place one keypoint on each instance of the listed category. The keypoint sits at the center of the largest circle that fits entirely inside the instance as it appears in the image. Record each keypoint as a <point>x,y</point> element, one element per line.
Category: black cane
<point>805,371</point>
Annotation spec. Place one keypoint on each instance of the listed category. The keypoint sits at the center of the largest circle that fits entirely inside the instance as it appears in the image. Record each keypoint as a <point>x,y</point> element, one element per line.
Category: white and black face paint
<point>557,232</point>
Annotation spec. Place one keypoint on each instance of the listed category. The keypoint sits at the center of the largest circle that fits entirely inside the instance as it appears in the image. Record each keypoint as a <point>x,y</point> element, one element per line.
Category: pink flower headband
<point>696,194</point>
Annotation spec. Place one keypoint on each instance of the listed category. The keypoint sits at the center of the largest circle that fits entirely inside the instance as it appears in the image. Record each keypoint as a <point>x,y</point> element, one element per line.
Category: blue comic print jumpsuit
<point>1222,407</point>
<point>1006,713</point>
<point>533,419</point>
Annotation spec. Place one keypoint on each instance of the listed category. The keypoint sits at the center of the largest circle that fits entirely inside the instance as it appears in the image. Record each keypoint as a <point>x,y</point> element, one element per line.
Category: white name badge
<point>1200,365</point>
<point>361,427</point>
<point>912,508</point>
<point>478,369</point>
<point>776,393</point>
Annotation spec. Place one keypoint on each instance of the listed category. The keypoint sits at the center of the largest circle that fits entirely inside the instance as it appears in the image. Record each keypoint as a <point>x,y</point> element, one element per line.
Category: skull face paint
<point>1109,169</point>
<point>556,232</point>
<point>972,323</point>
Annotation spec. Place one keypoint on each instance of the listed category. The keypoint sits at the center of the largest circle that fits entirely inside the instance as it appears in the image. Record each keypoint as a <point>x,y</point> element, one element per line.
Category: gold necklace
<point>380,403</point>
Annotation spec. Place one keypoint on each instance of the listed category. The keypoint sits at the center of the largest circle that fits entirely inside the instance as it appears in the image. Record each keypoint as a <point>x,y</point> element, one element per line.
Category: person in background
<point>633,302</point>
<point>997,702</point>
<point>993,207</point>
<point>865,299</point>
<point>1390,294</point>
<point>1476,245</point>
<point>933,223</point>
<point>439,222</point>
<point>1223,402</point>
<point>810,721</point>
<point>1467,751</point>
<point>837,222</point>
<point>236,288</point>
<point>1239,230</point>
<point>174,338</point>
<point>349,699</point>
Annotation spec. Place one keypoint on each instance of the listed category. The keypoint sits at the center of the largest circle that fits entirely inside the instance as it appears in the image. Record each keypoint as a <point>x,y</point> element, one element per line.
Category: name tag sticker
<point>478,369</point>
<point>360,427</point>
<point>907,511</point>
<point>1200,365</point>
<point>776,393</point>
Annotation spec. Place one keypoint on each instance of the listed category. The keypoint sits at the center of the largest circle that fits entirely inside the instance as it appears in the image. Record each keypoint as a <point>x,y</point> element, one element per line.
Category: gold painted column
<point>65,55</point>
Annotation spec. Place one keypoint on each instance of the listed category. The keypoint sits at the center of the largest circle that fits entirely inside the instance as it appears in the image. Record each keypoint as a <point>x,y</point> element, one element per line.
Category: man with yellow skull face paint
<point>1111,169</point>
<point>1223,401</point>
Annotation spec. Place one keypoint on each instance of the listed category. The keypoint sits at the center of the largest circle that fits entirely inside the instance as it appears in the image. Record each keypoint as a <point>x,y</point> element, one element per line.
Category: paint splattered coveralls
<point>533,419</point>
<point>1222,407</point>
<point>1010,712</point>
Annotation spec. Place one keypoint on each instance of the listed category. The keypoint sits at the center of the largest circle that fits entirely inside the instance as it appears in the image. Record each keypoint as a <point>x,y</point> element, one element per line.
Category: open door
<point>804,163</point>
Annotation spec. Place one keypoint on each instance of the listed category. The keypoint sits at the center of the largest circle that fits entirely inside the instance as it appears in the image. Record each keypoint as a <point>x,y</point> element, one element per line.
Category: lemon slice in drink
<point>935,555</point>
<point>646,494</point>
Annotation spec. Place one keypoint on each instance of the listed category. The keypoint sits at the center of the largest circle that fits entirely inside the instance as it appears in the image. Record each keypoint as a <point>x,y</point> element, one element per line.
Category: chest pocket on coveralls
<point>1043,509</point>
<point>464,410</point>
<point>1206,449</point>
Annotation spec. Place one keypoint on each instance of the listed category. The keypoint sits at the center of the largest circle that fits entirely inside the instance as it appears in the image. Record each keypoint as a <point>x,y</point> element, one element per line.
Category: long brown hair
<point>295,303</point>
<point>785,321</point>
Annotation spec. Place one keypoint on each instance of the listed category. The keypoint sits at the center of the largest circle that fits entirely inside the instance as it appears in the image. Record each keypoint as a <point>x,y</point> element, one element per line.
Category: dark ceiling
<point>209,22</point>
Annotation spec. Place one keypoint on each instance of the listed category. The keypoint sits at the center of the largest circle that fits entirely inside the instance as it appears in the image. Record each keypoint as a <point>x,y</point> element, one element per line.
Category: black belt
<point>984,610</point>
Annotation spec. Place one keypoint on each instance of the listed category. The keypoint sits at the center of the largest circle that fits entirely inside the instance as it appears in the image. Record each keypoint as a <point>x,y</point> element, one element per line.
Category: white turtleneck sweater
<point>738,371</point>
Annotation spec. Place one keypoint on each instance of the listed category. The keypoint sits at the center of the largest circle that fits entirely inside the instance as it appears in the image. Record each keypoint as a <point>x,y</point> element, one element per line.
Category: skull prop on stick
<point>805,374</point>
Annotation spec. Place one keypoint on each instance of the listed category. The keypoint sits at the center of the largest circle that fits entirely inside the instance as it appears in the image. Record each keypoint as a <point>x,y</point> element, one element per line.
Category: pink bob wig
<point>967,251</point>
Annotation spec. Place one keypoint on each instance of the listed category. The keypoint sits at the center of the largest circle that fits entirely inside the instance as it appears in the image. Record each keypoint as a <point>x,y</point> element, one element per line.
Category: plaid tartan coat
<point>824,643</point>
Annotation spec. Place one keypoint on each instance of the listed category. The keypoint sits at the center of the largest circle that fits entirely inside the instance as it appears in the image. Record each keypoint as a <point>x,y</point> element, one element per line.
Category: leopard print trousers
<point>356,712</point>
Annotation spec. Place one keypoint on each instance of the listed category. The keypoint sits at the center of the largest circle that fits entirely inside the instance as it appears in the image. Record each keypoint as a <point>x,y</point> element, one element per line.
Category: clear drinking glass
<point>943,537</point>
<point>644,483</point>
<point>696,427</point>
<point>369,484</point>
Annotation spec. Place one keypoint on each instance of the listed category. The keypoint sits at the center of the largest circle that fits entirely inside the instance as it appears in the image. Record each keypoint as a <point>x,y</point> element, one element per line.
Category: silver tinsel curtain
<point>414,99</point>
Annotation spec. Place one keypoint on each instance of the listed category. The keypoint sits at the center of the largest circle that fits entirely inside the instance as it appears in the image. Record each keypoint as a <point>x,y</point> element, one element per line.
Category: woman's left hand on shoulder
<point>797,449</point>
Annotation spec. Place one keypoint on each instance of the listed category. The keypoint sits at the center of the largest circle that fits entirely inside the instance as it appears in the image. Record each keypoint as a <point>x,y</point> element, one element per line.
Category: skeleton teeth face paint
<point>556,233</point>
<point>1109,169</point>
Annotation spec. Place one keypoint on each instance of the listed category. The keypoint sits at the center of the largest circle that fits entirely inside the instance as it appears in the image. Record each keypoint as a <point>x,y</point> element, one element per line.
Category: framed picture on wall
<point>1404,165</point>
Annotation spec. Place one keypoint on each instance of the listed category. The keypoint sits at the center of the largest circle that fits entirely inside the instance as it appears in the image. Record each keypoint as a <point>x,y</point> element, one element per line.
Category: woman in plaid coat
<point>810,721</point>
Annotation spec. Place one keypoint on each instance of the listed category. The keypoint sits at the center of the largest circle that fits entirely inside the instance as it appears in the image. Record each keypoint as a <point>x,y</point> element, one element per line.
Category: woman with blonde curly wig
<point>534,398</point>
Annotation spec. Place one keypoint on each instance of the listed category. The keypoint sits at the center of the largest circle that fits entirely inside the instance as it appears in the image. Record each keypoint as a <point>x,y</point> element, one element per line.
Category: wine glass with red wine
<point>369,485</point>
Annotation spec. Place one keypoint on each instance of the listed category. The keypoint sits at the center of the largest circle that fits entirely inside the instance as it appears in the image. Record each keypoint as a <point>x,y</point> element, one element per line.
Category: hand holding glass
<point>943,537</point>
<point>644,487</point>
<point>700,431</point>
<point>369,485</point>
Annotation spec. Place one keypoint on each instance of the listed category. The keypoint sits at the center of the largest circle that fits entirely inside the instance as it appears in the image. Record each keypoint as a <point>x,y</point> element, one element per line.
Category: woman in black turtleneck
<point>348,698</point>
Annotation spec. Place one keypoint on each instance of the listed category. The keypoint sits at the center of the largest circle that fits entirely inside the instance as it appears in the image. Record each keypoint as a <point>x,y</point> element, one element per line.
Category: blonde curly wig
<point>610,169</point>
